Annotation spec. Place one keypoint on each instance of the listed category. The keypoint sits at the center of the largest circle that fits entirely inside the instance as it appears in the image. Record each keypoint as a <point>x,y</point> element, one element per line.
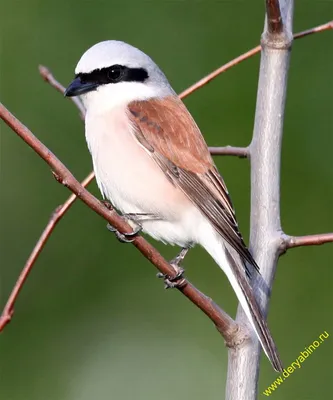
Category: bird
<point>153,164</point>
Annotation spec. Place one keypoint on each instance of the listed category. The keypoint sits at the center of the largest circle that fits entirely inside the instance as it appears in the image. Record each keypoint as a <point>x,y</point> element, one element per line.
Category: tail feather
<point>238,280</point>
<point>255,316</point>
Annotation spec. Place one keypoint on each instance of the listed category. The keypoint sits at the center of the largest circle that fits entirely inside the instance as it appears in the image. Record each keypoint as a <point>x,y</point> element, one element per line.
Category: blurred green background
<point>93,321</point>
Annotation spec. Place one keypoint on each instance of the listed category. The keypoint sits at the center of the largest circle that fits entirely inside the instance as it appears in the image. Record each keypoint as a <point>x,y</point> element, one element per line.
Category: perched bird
<point>151,161</point>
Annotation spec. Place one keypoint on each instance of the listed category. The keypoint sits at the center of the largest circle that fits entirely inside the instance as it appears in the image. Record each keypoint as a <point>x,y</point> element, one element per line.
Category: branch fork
<point>289,242</point>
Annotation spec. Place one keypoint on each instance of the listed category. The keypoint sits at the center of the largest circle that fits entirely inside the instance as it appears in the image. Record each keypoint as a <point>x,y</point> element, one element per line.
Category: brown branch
<point>48,77</point>
<point>274,18</point>
<point>241,152</point>
<point>8,310</point>
<point>317,29</point>
<point>202,82</point>
<point>310,240</point>
<point>59,212</point>
<point>225,324</point>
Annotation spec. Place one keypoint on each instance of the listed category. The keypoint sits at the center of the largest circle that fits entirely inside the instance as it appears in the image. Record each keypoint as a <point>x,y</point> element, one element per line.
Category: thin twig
<point>225,324</point>
<point>241,152</point>
<point>202,82</point>
<point>8,310</point>
<point>317,29</point>
<point>48,77</point>
<point>59,212</point>
<point>290,242</point>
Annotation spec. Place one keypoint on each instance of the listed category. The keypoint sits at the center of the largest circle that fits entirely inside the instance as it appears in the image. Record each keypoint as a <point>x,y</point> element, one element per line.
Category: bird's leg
<point>137,219</point>
<point>175,281</point>
<point>179,258</point>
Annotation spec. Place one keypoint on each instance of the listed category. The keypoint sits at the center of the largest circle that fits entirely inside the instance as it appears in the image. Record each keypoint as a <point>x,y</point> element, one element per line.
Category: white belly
<point>132,181</point>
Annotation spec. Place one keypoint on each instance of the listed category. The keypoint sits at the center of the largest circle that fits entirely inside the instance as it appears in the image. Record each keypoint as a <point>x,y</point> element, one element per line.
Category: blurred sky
<point>93,321</point>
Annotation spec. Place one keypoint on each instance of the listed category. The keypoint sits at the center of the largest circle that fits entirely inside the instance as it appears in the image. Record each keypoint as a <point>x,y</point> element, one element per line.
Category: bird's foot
<point>125,237</point>
<point>135,220</point>
<point>171,282</point>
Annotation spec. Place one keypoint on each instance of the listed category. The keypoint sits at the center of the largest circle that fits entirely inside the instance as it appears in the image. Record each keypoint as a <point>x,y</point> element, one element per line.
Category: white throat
<point>109,96</point>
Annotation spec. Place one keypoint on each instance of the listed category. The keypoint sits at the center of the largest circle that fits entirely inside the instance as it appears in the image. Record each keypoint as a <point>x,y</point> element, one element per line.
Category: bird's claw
<point>171,282</point>
<point>137,219</point>
<point>125,237</point>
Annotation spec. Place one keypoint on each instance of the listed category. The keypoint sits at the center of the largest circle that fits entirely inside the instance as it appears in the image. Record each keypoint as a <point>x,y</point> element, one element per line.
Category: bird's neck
<point>111,96</point>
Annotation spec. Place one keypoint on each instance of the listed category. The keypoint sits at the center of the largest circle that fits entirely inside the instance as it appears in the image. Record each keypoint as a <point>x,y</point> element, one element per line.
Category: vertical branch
<point>265,153</point>
<point>274,18</point>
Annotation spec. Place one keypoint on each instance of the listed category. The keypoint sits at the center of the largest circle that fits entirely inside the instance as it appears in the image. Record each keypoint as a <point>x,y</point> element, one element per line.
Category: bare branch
<point>54,219</point>
<point>274,18</point>
<point>265,230</point>
<point>49,78</point>
<point>241,152</point>
<point>225,324</point>
<point>310,240</point>
<point>8,310</point>
<point>202,82</point>
<point>317,29</point>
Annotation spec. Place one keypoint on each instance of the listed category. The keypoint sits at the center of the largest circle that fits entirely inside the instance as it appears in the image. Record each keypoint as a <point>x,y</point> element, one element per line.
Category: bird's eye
<point>115,73</point>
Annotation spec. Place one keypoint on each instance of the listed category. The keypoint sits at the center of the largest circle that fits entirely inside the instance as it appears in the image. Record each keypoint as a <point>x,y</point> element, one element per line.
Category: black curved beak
<point>77,88</point>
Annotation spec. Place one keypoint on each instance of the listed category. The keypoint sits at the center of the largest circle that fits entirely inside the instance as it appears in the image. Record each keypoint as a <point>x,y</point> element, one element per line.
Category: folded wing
<point>168,132</point>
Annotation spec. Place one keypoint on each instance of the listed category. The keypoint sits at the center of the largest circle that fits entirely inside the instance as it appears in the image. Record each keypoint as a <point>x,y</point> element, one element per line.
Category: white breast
<point>121,165</point>
<point>131,180</point>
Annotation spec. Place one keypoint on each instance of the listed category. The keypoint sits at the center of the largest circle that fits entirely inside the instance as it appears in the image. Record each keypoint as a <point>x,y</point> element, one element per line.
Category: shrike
<point>151,161</point>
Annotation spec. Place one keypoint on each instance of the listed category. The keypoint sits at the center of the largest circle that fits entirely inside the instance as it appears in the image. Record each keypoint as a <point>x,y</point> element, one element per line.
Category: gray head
<point>114,72</point>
